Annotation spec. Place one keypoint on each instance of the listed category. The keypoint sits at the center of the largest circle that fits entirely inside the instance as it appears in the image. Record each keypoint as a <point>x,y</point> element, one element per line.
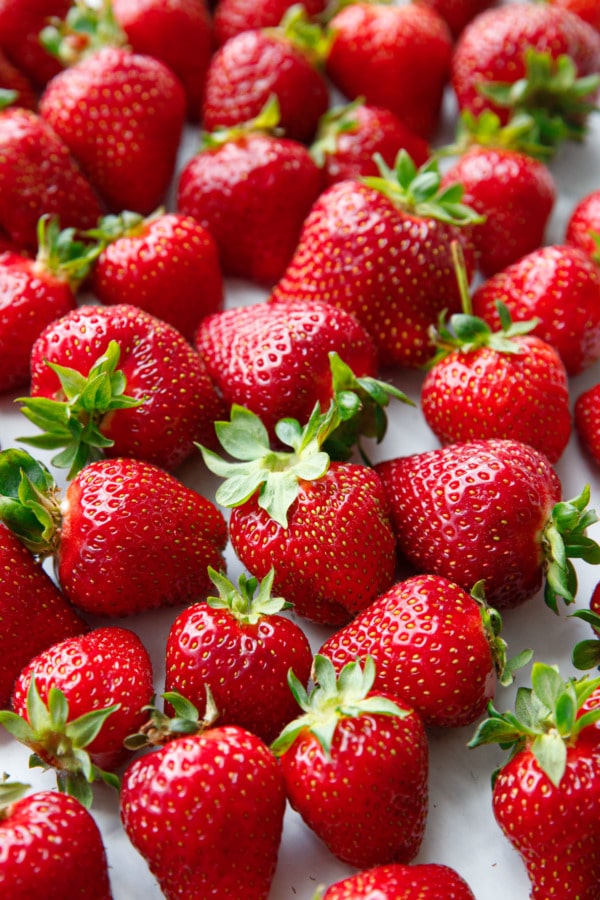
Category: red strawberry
<point>21,22</point>
<point>256,65</point>
<point>51,847</point>
<point>397,57</point>
<point>125,537</point>
<point>560,286</point>
<point>583,225</point>
<point>435,647</point>
<point>151,399</point>
<point>167,264</point>
<point>380,248</point>
<point>489,510</point>
<point>427,881</point>
<point>231,17</point>
<point>252,191</point>
<point>586,413</point>
<point>13,80</point>
<point>33,612</point>
<point>546,797</point>
<point>458,13</point>
<point>239,646</point>
<point>38,176</point>
<point>588,10</point>
<point>356,757</point>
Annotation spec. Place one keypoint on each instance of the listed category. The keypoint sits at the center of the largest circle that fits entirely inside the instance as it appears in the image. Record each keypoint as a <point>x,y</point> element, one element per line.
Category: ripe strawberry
<point>256,65</point>
<point>322,525</point>
<point>545,798</point>
<point>148,393</point>
<point>33,612</point>
<point>435,647</point>
<point>125,537</point>
<point>166,264</point>
<point>21,22</point>
<point>349,136</point>
<point>583,225</point>
<point>38,176</point>
<point>396,881</point>
<point>231,17</point>
<point>14,81</point>
<point>558,285</point>
<point>252,191</point>
<point>586,414</point>
<point>380,248</point>
<point>588,10</point>
<point>458,13</point>
<point>356,756</point>
<point>239,646</point>
<point>51,847</point>
<point>397,57</point>
<point>489,510</point>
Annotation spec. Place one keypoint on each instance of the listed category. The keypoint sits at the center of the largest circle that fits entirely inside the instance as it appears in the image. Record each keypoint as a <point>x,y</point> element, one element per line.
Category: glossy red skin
<point>169,266</point>
<point>392,270</point>
<point>131,164</point>
<point>244,665</point>
<point>38,175</point>
<point>423,881</point>
<point>489,394</point>
<point>558,284</point>
<point>376,772</point>
<point>51,847</point>
<point>33,612</point>
<point>273,358</point>
<point>338,551</point>
<point>231,17</point>
<point>106,666</point>
<point>252,67</point>
<point>30,299</point>
<point>588,10</point>
<point>133,538</point>
<point>397,57</point>
<point>514,192</point>
<point>20,24</point>
<point>586,412</point>
<point>161,368</point>
<point>192,787</point>
<point>253,195</point>
<point>555,829</point>
<point>11,78</point>
<point>458,13</point>
<point>585,218</point>
<point>430,648</point>
<point>474,511</point>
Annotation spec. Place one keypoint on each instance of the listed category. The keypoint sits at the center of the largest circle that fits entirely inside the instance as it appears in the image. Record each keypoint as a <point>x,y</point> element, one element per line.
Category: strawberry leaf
<point>551,753</point>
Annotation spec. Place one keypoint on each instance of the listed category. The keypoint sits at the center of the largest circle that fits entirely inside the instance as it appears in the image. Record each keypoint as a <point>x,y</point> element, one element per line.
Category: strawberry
<point>356,756</point>
<point>220,790</point>
<point>33,611</point>
<point>586,412</point>
<point>231,17</point>
<point>167,264</point>
<point>380,248</point>
<point>349,136</point>
<point>458,13</point>
<point>238,645</point>
<point>51,847</point>
<point>395,56</point>
<point>38,176</point>
<point>256,65</point>
<point>125,537</point>
<point>490,510</point>
<point>588,10</point>
<point>396,881</point>
<point>13,80</point>
<point>252,191</point>
<point>435,647</point>
<point>545,797</point>
<point>560,286</point>
<point>21,22</point>
<point>583,225</point>
<point>115,381</point>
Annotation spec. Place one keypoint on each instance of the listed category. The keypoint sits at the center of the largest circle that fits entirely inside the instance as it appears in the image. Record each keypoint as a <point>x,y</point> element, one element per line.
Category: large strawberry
<point>546,797</point>
<point>125,536</point>
<point>490,510</point>
<point>397,881</point>
<point>357,756</point>
<point>380,248</point>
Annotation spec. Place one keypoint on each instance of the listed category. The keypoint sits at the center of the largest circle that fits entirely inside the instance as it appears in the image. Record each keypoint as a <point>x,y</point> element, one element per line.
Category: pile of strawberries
<point>299,347</point>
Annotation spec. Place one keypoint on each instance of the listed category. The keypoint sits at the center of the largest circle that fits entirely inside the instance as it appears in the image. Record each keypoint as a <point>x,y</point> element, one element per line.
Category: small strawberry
<point>51,847</point>
<point>490,510</point>
<point>356,757</point>
<point>586,412</point>
<point>396,881</point>
<point>167,264</point>
<point>583,225</point>
<point>125,537</point>
<point>21,22</point>
<point>546,797</point>
<point>395,56</point>
<point>231,17</point>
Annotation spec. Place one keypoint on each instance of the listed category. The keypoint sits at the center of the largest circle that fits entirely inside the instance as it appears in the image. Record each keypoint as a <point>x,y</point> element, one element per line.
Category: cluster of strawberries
<point>185,431</point>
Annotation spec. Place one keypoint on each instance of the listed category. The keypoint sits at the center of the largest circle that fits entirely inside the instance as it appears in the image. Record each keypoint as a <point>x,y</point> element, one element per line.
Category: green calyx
<point>61,254</point>
<point>60,744</point>
<point>564,538</point>
<point>332,699</point>
<point>586,654</point>
<point>520,134</point>
<point>160,728</point>
<point>7,97</point>
<point>29,502</point>
<point>74,424</point>
<point>546,720</point>
<point>10,792</point>
<point>245,603</point>
<point>266,122</point>
<point>336,121</point>
<point>86,28</point>
<point>492,625</point>
<point>124,224</point>
<point>306,34</point>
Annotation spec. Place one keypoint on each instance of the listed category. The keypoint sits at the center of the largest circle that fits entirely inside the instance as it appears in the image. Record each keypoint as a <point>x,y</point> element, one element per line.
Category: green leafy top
<point>124,224</point>
<point>586,654</point>
<point>520,134</point>
<point>337,120</point>
<point>7,97</point>
<point>87,27</point>
<point>244,602</point>
<point>61,254</point>
<point>266,122</point>
<point>29,502</point>
<point>160,729</point>
<point>547,719</point>
<point>305,33</point>
<point>492,626</point>
<point>10,792</point>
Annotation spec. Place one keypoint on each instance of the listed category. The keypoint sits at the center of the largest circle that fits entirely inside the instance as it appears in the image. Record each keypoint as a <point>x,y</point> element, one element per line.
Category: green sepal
<point>61,253</point>
<point>266,122</point>
<point>86,28</point>
<point>586,653</point>
<point>29,502</point>
<point>10,792</point>
<point>160,728</point>
<point>247,604</point>
<point>520,135</point>
<point>336,121</point>
<point>7,97</point>
<point>492,625</point>
<point>306,34</point>
<point>124,224</point>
